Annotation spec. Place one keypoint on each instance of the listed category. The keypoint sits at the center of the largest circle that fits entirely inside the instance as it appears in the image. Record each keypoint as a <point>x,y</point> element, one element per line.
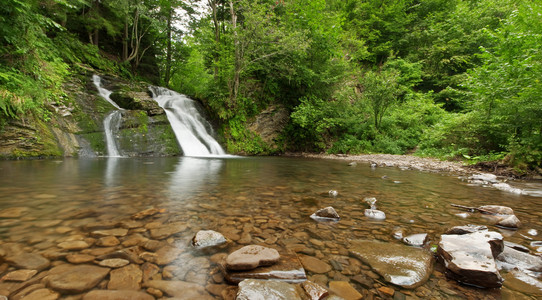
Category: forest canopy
<point>455,79</point>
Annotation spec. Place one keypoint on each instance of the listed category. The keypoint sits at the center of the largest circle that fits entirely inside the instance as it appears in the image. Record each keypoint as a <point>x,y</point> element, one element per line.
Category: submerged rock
<point>117,295</point>
<point>470,258</point>
<point>75,278</point>
<point>345,290</point>
<point>327,213</point>
<point>252,289</point>
<point>399,264</point>
<point>208,238</point>
<point>251,257</point>
<point>30,261</point>
<point>511,258</point>
<point>314,264</point>
<point>180,289</point>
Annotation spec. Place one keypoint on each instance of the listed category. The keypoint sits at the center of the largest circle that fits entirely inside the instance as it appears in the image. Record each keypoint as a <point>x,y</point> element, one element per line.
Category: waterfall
<point>193,132</point>
<point>111,128</point>
<point>111,121</point>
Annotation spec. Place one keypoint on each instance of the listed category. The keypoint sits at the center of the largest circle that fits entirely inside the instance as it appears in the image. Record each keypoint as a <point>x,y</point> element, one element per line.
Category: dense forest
<point>454,79</point>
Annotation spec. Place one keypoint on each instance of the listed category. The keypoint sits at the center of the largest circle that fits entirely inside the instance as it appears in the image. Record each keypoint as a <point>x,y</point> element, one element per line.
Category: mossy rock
<point>135,100</point>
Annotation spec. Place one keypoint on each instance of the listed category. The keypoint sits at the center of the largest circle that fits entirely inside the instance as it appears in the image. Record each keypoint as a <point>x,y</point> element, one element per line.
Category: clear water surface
<point>271,199</point>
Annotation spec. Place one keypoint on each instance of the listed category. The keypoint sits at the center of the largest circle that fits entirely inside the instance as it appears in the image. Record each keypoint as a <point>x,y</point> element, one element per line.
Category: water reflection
<point>112,175</point>
<point>192,176</point>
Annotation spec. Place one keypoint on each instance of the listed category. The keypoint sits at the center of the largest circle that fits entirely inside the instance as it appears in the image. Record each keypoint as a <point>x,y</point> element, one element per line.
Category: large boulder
<point>470,258</point>
<point>136,100</point>
<point>398,264</point>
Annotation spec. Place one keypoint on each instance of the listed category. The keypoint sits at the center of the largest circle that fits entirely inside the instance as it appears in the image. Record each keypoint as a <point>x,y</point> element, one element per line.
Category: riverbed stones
<point>344,290</point>
<point>251,257</point>
<point>125,278</point>
<point>208,238</point>
<point>326,214</point>
<point>107,241</point>
<point>117,295</point>
<point>31,261</point>
<point>19,275</point>
<point>398,264</point>
<point>147,213</point>
<point>114,263</point>
<point>167,230</point>
<point>110,232</point>
<point>72,279</point>
<point>73,245</point>
<point>470,258</point>
<point>253,289</point>
<point>79,258</point>
<point>287,269</point>
<point>180,289</point>
<point>313,264</point>
<point>13,212</point>
<point>41,294</point>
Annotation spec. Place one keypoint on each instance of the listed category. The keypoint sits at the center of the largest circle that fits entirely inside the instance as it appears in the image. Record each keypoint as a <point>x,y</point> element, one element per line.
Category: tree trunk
<point>125,40</point>
<point>168,49</point>
<point>212,4</point>
<point>237,61</point>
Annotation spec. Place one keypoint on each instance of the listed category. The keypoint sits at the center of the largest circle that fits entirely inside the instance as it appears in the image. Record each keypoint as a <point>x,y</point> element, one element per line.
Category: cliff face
<point>75,127</point>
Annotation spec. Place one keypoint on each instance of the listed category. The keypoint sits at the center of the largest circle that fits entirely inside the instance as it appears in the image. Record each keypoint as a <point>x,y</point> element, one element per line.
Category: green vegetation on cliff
<point>456,79</point>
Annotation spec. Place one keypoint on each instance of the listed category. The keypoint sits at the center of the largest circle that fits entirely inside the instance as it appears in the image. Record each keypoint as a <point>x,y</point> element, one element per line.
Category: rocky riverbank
<point>411,162</point>
<point>400,161</point>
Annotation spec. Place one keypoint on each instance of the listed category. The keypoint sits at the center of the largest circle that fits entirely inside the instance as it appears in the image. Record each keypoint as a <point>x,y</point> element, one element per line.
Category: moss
<point>169,141</point>
<point>96,141</point>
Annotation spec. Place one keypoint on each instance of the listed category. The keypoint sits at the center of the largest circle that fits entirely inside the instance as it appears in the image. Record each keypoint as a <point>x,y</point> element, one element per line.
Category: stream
<point>45,203</point>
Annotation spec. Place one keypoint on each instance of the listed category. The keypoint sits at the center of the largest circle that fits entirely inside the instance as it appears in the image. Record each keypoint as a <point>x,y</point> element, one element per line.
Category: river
<point>53,200</point>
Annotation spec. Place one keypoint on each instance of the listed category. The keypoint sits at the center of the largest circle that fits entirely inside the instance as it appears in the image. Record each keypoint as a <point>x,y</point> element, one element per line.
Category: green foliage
<point>191,77</point>
<point>240,140</point>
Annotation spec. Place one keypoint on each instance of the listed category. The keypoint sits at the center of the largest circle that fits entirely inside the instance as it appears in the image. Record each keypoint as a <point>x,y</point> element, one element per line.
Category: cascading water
<point>111,121</point>
<point>191,129</point>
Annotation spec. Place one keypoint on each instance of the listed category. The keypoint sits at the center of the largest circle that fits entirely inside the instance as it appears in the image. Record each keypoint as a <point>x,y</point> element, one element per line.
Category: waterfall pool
<point>46,205</point>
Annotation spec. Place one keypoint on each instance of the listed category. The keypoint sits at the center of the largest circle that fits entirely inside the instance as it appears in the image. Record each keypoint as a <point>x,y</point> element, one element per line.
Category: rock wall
<point>75,126</point>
